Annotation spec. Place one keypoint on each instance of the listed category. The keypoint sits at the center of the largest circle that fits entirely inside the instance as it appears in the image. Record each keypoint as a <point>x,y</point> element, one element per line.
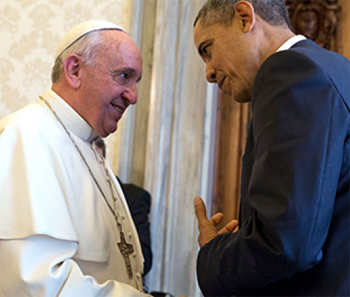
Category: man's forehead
<point>202,33</point>
<point>198,32</point>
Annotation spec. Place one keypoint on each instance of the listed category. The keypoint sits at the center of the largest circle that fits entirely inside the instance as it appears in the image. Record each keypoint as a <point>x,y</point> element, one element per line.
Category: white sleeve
<point>42,266</point>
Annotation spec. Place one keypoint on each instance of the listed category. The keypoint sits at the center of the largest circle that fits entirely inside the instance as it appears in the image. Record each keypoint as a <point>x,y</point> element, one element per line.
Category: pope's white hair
<point>85,47</point>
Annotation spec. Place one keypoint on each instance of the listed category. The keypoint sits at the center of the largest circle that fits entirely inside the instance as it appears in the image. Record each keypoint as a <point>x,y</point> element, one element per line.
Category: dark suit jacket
<point>294,220</point>
<point>139,202</point>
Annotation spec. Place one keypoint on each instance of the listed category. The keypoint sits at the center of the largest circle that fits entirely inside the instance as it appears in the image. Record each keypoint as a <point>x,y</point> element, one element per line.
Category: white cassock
<point>57,235</point>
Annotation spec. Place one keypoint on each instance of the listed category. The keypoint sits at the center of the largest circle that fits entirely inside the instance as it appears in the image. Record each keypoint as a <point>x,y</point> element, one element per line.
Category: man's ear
<point>245,11</point>
<point>72,70</point>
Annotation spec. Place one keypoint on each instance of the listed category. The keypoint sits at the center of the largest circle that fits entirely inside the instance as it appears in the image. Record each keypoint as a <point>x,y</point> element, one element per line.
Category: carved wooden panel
<point>232,122</point>
<point>318,20</point>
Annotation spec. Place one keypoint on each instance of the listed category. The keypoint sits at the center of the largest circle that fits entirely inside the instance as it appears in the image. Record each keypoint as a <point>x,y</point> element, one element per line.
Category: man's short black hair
<point>221,12</point>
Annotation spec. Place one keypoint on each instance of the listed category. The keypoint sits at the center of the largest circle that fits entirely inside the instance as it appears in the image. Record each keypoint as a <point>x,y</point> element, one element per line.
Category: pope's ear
<point>72,70</point>
<point>245,11</point>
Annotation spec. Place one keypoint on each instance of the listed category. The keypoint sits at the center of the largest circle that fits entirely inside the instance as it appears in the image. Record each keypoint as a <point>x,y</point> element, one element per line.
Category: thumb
<point>199,208</point>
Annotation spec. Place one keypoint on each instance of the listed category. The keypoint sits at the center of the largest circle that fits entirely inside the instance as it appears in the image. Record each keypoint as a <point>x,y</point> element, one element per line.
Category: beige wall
<point>30,31</point>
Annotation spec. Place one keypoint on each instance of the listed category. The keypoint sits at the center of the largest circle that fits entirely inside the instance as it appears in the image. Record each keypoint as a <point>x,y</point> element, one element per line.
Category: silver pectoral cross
<point>126,249</point>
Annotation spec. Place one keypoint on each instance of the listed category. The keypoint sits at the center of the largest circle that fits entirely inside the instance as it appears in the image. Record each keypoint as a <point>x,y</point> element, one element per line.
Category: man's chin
<point>107,131</point>
<point>227,92</point>
<point>112,130</point>
<point>243,96</point>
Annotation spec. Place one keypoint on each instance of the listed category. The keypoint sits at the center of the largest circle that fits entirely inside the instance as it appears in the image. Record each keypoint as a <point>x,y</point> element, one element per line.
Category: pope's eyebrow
<point>203,44</point>
<point>128,70</point>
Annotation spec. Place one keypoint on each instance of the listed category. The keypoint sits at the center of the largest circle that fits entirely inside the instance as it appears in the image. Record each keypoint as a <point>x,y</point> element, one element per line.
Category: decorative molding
<point>179,140</point>
<point>318,20</point>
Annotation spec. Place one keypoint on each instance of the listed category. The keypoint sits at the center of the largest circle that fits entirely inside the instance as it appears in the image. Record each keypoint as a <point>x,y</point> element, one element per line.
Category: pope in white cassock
<point>65,229</point>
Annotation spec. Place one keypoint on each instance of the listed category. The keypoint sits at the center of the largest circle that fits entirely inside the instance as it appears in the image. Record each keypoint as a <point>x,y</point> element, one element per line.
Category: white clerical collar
<point>70,118</point>
<point>290,42</point>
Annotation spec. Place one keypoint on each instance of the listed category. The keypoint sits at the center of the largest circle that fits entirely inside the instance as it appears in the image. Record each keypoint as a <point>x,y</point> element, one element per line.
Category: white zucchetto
<point>80,30</point>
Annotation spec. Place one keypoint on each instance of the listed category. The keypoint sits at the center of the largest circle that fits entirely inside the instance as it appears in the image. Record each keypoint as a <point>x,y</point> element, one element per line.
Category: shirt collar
<point>70,118</point>
<point>290,42</point>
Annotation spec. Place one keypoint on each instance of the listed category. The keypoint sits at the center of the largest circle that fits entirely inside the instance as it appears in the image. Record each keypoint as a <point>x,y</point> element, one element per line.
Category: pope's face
<point>229,58</point>
<point>109,86</point>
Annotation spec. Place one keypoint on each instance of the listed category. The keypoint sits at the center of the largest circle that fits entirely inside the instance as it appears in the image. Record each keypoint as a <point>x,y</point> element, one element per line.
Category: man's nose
<point>130,94</point>
<point>210,73</point>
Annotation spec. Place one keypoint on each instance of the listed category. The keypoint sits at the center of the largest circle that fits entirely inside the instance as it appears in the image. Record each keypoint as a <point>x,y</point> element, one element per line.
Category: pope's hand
<point>207,227</point>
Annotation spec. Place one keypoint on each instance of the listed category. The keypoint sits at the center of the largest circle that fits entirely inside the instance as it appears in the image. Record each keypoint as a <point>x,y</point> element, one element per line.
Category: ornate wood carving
<point>318,20</point>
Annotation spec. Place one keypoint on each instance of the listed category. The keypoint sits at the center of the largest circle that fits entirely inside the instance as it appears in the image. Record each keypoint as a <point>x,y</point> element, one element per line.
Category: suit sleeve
<point>298,131</point>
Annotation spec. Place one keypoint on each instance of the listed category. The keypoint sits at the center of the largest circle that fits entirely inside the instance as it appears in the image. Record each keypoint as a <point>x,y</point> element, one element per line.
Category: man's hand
<point>207,228</point>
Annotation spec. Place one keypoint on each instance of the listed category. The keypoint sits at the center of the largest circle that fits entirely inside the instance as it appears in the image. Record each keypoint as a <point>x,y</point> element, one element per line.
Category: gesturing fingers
<point>207,228</point>
<point>217,218</point>
<point>230,227</point>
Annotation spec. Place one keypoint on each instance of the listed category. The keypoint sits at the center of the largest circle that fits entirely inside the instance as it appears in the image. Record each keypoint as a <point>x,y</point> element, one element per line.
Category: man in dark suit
<point>293,236</point>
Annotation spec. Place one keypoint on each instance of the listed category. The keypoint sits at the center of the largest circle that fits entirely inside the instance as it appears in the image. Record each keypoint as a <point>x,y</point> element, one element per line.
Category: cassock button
<point>138,275</point>
<point>134,255</point>
<point>130,235</point>
<point>123,217</point>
